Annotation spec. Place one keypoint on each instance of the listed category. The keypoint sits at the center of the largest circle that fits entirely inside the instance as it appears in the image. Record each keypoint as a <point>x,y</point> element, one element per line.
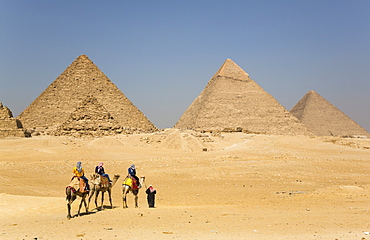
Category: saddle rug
<point>104,182</point>
<point>131,182</point>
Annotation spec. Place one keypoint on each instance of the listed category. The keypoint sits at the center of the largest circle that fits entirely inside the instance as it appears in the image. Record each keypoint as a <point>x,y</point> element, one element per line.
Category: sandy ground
<point>242,187</point>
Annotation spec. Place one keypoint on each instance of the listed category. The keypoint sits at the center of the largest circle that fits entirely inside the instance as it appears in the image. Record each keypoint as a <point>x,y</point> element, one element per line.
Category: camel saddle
<point>131,182</point>
<point>104,182</point>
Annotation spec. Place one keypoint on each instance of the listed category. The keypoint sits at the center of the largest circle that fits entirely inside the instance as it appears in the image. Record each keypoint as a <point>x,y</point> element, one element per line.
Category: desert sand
<point>209,186</point>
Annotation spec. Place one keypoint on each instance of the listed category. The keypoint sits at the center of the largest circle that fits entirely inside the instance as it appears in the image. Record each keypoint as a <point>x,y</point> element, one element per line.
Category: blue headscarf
<point>79,167</point>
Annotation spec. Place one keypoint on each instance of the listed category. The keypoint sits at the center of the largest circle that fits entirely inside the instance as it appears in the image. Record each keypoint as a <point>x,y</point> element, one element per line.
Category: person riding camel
<point>100,170</point>
<point>79,172</point>
<point>132,173</point>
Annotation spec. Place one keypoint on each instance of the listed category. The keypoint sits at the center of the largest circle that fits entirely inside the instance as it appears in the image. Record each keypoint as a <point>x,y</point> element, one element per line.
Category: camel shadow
<point>97,209</point>
<point>84,214</point>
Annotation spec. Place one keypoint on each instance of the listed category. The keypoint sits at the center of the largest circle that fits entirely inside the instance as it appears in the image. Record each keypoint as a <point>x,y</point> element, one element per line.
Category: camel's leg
<point>124,197</point>
<point>69,210</point>
<point>96,199</point>
<point>110,198</point>
<point>92,193</point>
<point>70,198</point>
<point>86,206</point>
<point>124,201</point>
<point>79,207</point>
<point>102,201</point>
<point>136,198</point>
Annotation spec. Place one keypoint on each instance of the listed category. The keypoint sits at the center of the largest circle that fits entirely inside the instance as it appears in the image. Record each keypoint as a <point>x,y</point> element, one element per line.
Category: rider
<point>100,170</point>
<point>79,172</point>
<point>132,173</point>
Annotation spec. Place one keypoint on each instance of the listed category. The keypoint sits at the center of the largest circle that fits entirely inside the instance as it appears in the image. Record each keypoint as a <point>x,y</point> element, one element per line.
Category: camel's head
<point>95,178</point>
<point>116,176</point>
<point>142,179</point>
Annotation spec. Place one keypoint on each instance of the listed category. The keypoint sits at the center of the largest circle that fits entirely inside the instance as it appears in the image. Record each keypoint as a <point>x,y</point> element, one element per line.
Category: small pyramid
<point>82,78</point>
<point>89,119</point>
<point>324,119</point>
<point>232,101</point>
<point>9,126</point>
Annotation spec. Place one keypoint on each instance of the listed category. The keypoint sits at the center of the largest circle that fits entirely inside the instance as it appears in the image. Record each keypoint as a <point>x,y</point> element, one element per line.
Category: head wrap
<point>133,166</point>
<point>79,167</point>
<point>151,188</point>
<point>100,164</point>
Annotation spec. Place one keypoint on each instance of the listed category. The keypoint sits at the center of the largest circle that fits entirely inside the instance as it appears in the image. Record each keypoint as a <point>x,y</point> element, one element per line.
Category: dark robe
<point>151,196</point>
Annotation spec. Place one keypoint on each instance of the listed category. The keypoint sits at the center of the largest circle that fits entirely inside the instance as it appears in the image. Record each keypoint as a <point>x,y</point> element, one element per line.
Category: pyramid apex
<point>230,69</point>
<point>82,56</point>
<point>312,92</point>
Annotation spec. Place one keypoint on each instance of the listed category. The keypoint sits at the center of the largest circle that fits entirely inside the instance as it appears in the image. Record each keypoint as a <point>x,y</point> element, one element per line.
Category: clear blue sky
<point>161,54</point>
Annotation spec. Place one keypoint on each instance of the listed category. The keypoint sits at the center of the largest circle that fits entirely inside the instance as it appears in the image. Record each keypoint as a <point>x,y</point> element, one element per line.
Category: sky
<point>161,54</point>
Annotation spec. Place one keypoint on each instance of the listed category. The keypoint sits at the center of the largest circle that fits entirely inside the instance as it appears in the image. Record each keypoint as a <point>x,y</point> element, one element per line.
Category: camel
<point>71,195</point>
<point>127,188</point>
<point>98,187</point>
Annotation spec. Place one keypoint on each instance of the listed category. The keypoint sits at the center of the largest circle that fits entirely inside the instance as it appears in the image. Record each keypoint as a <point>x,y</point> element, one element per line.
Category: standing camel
<point>101,184</point>
<point>71,195</point>
<point>126,188</point>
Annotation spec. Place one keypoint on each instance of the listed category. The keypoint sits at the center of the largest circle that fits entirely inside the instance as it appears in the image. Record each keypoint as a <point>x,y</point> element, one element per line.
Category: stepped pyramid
<point>323,118</point>
<point>81,79</point>
<point>89,119</point>
<point>9,126</point>
<point>232,101</point>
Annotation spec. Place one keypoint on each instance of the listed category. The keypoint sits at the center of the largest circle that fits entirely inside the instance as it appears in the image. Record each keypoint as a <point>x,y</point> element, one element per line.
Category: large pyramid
<point>80,80</point>
<point>324,119</point>
<point>233,101</point>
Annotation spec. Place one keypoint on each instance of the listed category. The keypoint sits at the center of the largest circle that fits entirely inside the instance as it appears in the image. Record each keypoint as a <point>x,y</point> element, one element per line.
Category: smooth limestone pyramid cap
<point>82,78</point>
<point>324,119</point>
<point>232,100</point>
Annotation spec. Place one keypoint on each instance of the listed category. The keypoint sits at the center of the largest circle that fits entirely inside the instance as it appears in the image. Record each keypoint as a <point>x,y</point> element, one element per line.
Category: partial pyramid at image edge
<point>233,101</point>
<point>9,126</point>
<point>82,79</point>
<point>324,119</point>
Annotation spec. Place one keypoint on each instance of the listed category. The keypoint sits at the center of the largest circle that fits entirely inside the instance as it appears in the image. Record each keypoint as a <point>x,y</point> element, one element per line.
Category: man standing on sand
<point>151,196</point>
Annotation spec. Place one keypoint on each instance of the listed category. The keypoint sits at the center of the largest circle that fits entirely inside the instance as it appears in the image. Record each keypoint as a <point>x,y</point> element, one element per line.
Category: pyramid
<point>81,79</point>
<point>232,101</point>
<point>9,126</point>
<point>324,119</point>
<point>89,119</point>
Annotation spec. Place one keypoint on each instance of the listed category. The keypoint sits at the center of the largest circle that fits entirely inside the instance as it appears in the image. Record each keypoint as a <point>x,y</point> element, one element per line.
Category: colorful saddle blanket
<point>131,182</point>
<point>104,182</point>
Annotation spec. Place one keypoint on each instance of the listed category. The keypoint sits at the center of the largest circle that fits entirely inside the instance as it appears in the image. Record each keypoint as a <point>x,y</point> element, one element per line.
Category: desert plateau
<point>209,186</point>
